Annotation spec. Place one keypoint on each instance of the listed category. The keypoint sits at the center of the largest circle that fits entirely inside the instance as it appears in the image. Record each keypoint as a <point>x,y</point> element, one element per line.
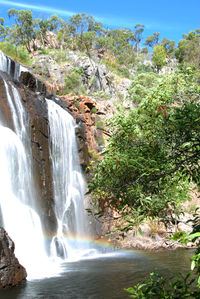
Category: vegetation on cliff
<point>153,152</point>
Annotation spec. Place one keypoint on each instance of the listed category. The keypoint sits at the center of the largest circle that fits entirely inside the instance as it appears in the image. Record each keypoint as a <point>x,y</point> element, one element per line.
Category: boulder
<point>11,272</point>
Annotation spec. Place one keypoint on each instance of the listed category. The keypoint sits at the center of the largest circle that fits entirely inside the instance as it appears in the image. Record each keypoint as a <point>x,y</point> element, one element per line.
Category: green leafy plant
<point>73,83</point>
<point>156,286</point>
<point>153,152</point>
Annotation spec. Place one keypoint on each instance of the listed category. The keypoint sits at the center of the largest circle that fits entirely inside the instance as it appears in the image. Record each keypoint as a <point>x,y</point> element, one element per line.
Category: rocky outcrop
<point>91,129</point>
<point>94,75</point>
<point>11,272</point>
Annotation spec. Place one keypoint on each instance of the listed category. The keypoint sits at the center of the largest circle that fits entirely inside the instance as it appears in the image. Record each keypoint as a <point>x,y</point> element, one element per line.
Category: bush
<point>188,286</point>
<point>140,86</point>
<point>19,54</point>
<point>73,83</point>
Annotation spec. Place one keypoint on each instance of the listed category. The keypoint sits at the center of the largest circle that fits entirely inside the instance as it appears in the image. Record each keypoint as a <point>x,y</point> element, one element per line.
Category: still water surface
<point>104,277</point>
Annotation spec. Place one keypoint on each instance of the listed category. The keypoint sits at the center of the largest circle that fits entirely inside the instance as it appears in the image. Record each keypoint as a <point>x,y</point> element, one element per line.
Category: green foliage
<point>99,124</point>
<point>140,86</point>
<point>93,110</point>
<point>73,83</point>
<point>177,236</point>
<point>152,40</point>
<point>123,72</point>
<point>19,54</point>
<point>139,29</point>
<point>156,286</point>
<point>154,150</point>
<point>144,68</point>
<point>169,46</point>
<point>159,57</point>
<point>189,49</point>
<point>22,32</point>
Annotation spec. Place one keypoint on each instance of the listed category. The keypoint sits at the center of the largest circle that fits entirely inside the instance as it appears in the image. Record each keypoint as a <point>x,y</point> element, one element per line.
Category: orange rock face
<point>88,115</point>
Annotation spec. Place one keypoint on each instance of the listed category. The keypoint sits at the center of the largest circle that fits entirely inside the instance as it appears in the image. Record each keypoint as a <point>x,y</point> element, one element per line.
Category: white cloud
<point>38,8</point>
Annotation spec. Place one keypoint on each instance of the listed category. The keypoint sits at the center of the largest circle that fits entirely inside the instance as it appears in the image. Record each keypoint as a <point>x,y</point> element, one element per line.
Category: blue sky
<point>169,17</point>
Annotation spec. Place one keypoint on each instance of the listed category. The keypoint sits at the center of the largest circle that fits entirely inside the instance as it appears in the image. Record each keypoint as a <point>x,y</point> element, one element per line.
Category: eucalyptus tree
<point>23,31</point>
<point>81,25</point>
<point>152,40</point>
<point>138,31</point>
<point>188,51</point>
<point>169,46</point>
<point>4,31</point>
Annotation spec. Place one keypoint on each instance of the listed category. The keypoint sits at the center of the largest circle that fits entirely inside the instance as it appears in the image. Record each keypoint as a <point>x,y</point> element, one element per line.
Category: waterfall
<point>11,67</point>
<point>18,198</point>
<point>17,195</point>
<point>69,186</point>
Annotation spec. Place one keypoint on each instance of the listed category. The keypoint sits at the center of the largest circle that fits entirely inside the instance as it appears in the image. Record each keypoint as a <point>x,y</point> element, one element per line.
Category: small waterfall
<point>11,67</point>
<point>69,185</point>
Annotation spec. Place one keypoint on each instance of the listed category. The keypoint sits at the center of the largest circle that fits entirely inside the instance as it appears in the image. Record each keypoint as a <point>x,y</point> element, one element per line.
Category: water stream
<point>69,187</point>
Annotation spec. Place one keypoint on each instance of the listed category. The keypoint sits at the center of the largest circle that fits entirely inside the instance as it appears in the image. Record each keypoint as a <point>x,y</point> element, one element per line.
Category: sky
<point>171,18</point>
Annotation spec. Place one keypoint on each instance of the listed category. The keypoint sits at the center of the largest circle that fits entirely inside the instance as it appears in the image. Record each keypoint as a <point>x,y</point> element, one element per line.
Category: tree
<point>139,29</point>
<point>44,26</point>
<point>153,151</point>
<point>188,52</point>
<point>3,30</point>
<point>81,23</point>
<point>23,31</point>
<point>120,44</point>
<point>169,46</point>
<point>152,40</point>
<point>159,57</point>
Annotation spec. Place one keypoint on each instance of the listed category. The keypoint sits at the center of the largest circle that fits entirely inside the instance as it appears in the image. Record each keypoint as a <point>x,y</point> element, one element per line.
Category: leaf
<point>192,236</point>
<point>140,232</point>
<point>193,265</point>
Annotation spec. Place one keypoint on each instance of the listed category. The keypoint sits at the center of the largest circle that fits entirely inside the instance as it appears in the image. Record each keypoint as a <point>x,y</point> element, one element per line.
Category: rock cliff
<point>11,272</point>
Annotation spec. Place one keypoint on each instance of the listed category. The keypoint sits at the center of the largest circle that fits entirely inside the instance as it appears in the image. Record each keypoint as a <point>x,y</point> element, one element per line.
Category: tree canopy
<point>154,151</point>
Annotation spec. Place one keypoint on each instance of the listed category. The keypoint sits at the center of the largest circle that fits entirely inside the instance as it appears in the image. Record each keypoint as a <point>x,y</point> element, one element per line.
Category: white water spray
<point>69,186</point>
<point>17,196</point>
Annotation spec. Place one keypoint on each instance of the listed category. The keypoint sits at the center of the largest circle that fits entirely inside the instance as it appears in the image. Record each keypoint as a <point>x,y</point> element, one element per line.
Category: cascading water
<point>17,196</point>
<point>69,186</point>
<point>10,67</point>
<point>17,191</point>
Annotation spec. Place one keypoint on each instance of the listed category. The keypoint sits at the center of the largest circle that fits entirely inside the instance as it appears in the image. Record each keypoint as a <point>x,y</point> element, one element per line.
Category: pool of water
<point>104,277</point>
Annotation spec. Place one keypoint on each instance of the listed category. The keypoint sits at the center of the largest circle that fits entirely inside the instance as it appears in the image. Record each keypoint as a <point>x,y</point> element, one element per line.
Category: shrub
<point>19,54</point>
<point>73,83</point>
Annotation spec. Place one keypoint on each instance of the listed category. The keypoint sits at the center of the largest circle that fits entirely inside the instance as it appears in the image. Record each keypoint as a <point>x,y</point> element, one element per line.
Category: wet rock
<point>35,105</point>
<point>5,113</point>
<point>30,81</point>
<point>11,272</point>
